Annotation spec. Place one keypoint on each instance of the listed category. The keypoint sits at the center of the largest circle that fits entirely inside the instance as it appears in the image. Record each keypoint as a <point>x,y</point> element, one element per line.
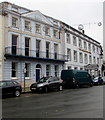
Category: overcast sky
<point>73,12</point>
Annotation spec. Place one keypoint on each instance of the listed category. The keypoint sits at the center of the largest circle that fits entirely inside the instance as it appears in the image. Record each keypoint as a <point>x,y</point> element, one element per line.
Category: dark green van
<point>74,78</point>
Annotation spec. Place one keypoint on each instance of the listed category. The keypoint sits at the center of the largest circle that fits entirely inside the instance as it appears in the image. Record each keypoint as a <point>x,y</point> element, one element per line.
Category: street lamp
<point>24,71</point>
<point>101,62</point>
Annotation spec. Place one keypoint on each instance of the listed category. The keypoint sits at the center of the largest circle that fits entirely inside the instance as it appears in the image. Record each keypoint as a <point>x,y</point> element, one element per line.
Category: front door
<point>37,74</point>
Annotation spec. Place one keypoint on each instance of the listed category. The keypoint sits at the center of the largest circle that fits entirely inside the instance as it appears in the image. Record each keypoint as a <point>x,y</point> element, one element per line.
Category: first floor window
<point>14,69</point>
<point>86,59</point>
<point>69,54</point>
<point>98,61</point>
<point>90,59</point>
<point>94,60</point>
<point>75,56</point>
<point>81,57</point>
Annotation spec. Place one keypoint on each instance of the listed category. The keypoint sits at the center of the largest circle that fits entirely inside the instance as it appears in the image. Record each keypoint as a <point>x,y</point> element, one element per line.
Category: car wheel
<point>17,93</point>
<point>77,85</point>
<point>60,88</point>
<point>91,84</point>
<point>46,89</point>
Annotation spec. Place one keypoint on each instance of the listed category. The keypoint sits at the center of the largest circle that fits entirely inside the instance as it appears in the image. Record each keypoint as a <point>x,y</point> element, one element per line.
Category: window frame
<point>14,69</point>
<point>27,25</point>
<point>15,22</point>
<point>38,28</point>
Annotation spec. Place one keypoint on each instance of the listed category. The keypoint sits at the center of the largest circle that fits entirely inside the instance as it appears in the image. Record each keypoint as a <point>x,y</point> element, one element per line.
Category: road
<point>69,103</point>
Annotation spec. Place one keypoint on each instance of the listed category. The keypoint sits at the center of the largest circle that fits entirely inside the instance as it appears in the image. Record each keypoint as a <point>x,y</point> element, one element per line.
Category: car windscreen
<point>44,79</point>
<point>95,79</point>
<point>2,84</point>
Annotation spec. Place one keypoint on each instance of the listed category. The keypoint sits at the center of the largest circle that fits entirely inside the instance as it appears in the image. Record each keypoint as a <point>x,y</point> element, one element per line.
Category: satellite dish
<point>80,27</point>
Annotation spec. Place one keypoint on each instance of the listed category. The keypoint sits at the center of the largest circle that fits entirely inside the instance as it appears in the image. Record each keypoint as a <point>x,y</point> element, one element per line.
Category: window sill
<point>14,78</point>
<point>27,78</point>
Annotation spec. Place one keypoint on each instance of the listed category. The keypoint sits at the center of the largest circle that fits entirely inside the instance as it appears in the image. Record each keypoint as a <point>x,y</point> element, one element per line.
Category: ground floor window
<point>75,68</point>
<point>27,68</point>
<point>81,68</point>
<point>47,70</point>
<point>56,70</point>
<point>69,67</point>
<point>14,69</point>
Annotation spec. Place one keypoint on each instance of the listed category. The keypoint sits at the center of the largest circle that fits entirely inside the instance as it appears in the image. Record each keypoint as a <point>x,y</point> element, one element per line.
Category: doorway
<point>38,72</point>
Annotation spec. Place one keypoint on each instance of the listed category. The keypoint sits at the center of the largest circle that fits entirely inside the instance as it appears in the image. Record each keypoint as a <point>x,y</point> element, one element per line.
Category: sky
<point>73,12</point>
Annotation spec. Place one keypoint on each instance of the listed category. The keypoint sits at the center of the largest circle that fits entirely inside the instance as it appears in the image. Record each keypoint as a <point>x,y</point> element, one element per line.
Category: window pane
<point>14,69</point>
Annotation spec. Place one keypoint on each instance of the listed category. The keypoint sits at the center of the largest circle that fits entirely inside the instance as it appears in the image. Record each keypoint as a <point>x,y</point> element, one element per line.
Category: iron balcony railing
<point>13,51</point>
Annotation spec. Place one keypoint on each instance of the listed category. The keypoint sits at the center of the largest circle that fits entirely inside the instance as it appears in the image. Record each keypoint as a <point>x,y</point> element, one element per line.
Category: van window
<point>81,74</point>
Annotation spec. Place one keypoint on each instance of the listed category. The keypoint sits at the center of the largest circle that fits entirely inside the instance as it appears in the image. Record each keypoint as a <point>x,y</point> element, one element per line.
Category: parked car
<point>103,79</point>
<point>10,88</point>
<point>98,81</point>
<point>76,78</point>
<point>47,83</point>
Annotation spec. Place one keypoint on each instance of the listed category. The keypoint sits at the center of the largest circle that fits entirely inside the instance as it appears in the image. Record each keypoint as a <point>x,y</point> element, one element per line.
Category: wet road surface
<point>69,103</point>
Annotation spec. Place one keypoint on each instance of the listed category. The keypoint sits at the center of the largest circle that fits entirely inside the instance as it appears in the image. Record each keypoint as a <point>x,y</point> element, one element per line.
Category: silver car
<point>46,84</point>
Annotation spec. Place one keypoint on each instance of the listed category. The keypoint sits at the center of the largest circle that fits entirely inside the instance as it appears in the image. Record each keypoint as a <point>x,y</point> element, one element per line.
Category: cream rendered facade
<point>83,52</point>
<point>1,48</point>
<point>33,45</point>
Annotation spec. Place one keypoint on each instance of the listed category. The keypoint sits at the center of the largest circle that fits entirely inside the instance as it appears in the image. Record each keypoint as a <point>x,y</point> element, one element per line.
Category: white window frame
<point>38,28</point>
<point>81,57</point>
<point>14,70</point>
<point>86,58</point>
<point>27,25</point>
<point>68,38</point>
<point>47,30</point>
<point>15,22</point>
<point>75,56</point>
<point>74,41</point>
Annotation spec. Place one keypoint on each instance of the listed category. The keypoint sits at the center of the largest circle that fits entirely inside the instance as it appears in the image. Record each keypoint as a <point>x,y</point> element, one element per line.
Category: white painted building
<point>83,52</point>
<point>34,45</point>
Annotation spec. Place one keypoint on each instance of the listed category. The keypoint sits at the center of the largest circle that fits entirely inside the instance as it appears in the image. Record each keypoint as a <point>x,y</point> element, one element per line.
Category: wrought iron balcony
<point>33,54</point>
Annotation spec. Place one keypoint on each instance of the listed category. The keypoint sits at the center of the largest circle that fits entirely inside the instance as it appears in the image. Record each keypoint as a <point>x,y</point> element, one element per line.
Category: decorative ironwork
<point>34,54</point>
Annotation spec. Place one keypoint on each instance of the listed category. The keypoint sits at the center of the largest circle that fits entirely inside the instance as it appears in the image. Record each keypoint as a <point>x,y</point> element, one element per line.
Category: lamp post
<point>24,71</point>
<point>101,62</point>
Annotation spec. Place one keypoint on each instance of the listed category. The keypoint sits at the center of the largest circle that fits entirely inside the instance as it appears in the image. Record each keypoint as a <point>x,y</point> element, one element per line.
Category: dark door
<point>37,74</point>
